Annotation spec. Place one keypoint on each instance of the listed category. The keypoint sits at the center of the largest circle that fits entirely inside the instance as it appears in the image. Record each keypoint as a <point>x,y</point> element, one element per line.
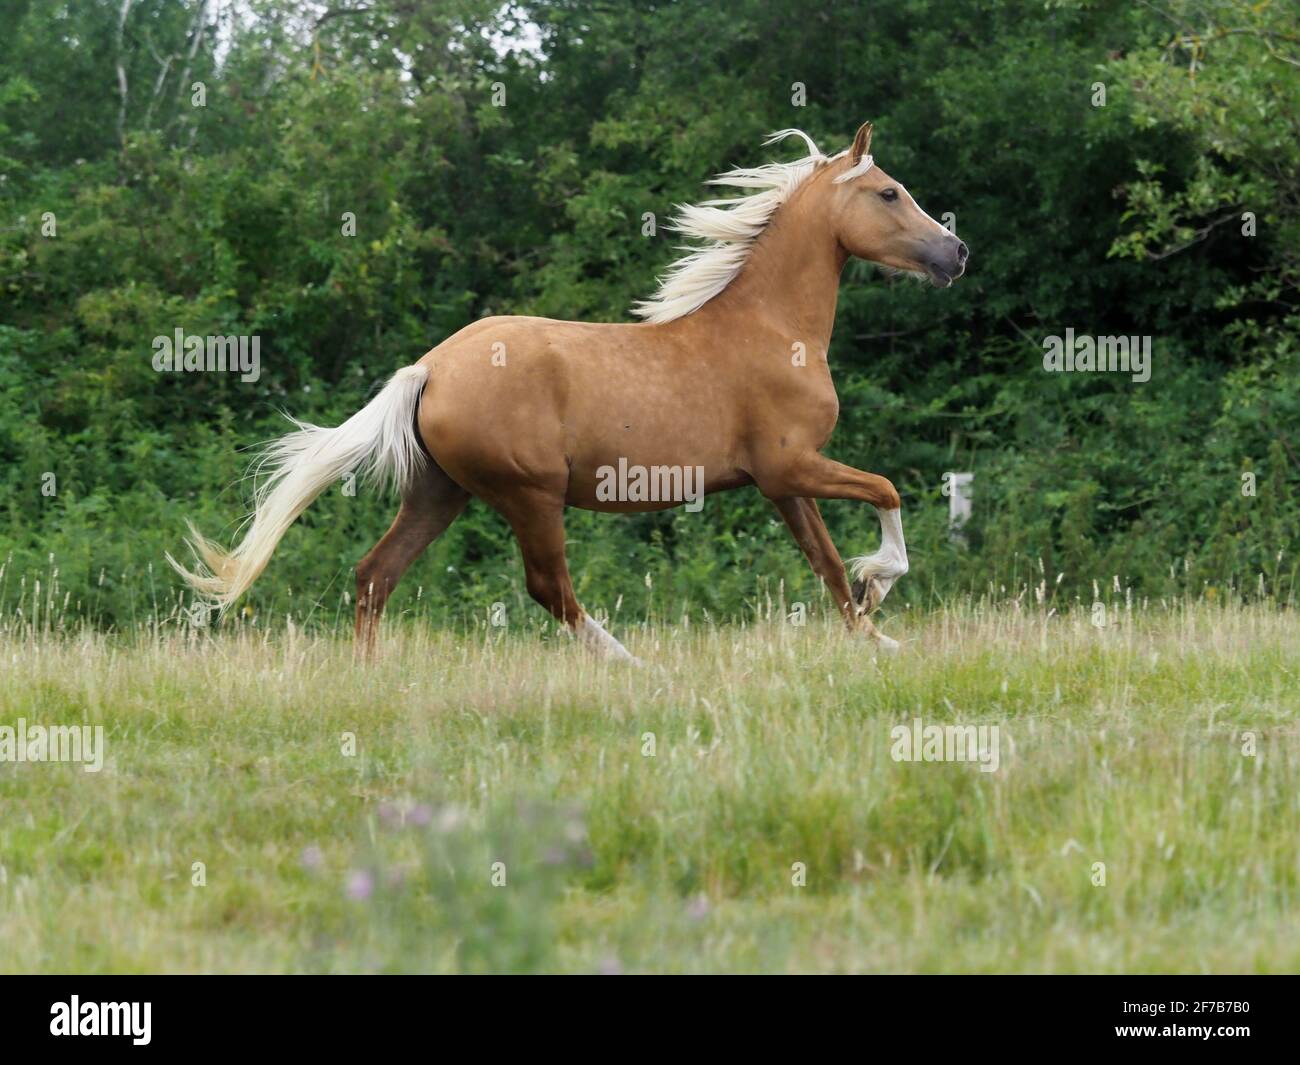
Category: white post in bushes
<point>957,487</point>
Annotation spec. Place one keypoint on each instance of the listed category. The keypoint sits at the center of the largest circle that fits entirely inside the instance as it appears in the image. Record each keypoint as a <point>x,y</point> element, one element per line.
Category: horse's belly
<point>626,486</point>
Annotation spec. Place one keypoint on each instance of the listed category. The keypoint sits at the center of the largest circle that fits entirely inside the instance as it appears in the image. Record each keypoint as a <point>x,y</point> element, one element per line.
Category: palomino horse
<point>727,375</point>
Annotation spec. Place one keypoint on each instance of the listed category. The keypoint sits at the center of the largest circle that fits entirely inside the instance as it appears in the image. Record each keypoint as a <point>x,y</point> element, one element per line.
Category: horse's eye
<point>889,195</point>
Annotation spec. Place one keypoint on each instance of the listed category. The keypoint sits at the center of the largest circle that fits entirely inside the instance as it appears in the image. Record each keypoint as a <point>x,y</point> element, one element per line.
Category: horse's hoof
<point>867,594</point>
<point>890,647</point>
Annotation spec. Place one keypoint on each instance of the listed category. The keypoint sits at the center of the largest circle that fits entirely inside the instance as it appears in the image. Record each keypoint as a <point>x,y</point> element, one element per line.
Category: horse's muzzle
<point>947,262</point>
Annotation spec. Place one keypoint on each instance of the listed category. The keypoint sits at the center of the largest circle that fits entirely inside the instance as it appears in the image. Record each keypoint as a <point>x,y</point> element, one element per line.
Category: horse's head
<point>876,219</point>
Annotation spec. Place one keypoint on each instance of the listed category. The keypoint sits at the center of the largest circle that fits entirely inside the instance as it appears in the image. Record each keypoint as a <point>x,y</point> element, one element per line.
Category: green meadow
<point>490,800</point>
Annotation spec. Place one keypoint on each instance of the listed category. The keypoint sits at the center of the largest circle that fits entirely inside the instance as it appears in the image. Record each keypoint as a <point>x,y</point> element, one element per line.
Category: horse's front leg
<point>874,575</point>
<point>810,533</point>
<point>818,477</point>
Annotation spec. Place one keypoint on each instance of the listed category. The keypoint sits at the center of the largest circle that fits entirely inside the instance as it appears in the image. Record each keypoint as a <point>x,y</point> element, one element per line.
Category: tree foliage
<point>199,161</point>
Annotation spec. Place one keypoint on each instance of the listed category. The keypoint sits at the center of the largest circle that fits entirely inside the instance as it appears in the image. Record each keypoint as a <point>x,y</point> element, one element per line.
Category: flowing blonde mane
<point>729,227</point>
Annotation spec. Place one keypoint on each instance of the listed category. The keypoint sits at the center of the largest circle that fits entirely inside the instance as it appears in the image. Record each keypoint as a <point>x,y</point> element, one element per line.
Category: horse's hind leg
<point>538,524</point>
<point>429,505</point>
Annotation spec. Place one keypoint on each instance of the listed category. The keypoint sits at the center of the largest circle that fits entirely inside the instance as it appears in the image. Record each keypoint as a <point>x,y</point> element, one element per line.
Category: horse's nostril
<point>962,251</point>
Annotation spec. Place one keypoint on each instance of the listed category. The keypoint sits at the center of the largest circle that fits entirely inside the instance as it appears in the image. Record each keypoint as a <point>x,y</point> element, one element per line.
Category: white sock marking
<point>890,562</point>
<point>590,632</point>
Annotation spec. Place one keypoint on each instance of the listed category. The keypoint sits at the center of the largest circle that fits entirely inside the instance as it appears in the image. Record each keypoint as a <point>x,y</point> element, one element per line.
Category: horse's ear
<point>861,144</point>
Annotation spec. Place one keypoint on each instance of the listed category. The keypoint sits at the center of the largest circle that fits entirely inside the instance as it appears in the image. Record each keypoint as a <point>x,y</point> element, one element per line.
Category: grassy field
<point>656,820</point>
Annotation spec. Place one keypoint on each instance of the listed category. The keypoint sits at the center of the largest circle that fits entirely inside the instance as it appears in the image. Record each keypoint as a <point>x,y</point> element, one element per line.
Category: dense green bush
<point>1122,219</point>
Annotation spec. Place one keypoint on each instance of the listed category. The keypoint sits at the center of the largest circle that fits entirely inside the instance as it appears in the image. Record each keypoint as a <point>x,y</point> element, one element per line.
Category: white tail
<point>378,443</point>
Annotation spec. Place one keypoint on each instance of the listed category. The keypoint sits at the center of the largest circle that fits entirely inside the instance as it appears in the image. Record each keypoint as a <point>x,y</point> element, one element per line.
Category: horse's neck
<point>791,279</point>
